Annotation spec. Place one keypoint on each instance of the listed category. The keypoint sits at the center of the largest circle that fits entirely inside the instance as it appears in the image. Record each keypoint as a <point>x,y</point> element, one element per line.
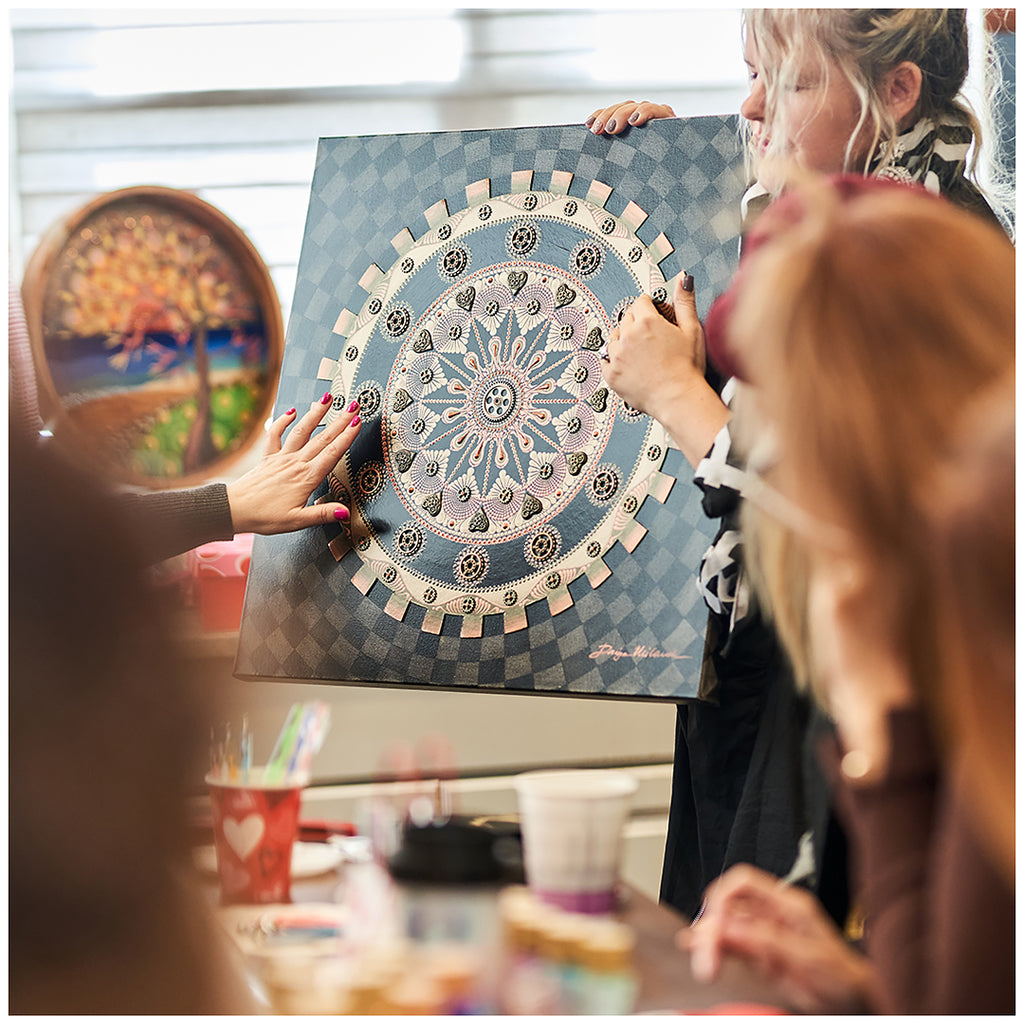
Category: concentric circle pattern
<point>475,358</point>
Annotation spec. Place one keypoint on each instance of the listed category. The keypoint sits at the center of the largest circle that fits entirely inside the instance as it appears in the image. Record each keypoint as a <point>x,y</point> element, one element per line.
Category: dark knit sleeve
<point>177,521</point>
<point>25,418</point>
<point>939,921</point>
<point>892,825</point>
<point>171,521</point>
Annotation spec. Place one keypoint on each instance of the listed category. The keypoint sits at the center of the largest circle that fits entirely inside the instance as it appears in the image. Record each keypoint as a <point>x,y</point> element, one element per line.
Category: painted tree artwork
<point>160,336</point>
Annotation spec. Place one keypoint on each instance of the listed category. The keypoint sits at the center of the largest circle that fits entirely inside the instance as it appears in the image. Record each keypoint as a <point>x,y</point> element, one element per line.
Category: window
<point>230,103</point>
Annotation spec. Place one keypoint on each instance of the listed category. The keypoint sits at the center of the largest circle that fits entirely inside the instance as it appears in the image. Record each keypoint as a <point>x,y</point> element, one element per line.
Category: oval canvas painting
<point>157,336</point>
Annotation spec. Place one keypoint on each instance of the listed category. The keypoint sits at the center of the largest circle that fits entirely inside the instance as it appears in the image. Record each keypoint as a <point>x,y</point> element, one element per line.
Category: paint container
<point>447,879</point>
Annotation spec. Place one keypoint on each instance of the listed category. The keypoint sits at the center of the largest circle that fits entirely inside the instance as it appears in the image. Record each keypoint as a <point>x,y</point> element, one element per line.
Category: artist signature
<point>640,651</point>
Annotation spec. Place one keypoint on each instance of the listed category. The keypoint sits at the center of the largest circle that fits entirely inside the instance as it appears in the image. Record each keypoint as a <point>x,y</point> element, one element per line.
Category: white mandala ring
<point>495,426</point>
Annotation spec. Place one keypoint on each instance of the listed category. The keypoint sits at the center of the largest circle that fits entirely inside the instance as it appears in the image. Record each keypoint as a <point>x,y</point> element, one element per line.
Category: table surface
<point>665,982</point>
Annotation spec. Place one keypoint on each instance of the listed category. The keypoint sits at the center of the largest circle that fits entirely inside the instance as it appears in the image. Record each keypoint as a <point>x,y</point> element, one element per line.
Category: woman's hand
<point>783,933</point>
<point>272,496</point>
<point>650,360</point>
<point>614,120</point>
<point>658,367</point>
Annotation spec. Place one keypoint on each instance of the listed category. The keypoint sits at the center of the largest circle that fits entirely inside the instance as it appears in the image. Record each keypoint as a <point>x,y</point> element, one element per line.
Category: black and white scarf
<point>932,153</point>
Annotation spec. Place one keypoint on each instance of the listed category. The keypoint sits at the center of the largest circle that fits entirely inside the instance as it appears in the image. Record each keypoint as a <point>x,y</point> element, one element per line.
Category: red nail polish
<point>342,514</point>
<point>290,412</point>
<point>355,421</point>
<point>353,405</point>
<point>326,398</point>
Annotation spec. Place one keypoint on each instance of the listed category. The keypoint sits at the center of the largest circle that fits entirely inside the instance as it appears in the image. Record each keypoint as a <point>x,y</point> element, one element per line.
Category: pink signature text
<point>639,651</point>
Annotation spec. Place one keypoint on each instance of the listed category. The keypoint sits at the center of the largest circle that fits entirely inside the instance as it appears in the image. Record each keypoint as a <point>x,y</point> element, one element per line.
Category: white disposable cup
<point>572,826</point>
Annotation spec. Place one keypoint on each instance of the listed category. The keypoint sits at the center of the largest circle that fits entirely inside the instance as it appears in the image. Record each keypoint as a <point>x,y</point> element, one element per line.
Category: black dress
<point>746,784</point>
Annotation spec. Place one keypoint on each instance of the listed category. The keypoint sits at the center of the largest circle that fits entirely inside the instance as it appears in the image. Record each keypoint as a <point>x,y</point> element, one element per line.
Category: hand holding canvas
<point>616,118</point>
<point>658,367</point>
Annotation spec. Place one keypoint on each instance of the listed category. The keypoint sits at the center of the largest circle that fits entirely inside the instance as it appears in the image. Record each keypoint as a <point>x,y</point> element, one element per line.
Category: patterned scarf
<point>933,153</point>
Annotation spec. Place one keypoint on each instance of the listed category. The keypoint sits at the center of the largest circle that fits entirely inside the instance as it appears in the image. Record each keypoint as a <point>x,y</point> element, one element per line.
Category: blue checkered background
<point>303,618</point>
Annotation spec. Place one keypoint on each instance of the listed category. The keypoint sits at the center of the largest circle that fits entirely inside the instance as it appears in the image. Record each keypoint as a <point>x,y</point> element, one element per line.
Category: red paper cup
<point>254,829</point>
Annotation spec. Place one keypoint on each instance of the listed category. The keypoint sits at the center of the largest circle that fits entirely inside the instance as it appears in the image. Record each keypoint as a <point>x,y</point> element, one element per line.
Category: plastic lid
<point>450,853</point>
<point>562,937</point>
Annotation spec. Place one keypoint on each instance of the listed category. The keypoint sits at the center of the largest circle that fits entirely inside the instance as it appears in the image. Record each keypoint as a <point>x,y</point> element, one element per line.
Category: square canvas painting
<point>515,525</point>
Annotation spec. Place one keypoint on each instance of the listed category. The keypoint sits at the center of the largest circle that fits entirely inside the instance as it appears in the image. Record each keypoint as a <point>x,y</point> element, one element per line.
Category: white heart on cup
<point>243,836</point>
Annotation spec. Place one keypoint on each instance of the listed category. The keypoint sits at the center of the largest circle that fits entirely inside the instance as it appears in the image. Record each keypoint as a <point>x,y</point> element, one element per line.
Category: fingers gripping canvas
<point>514,524</point>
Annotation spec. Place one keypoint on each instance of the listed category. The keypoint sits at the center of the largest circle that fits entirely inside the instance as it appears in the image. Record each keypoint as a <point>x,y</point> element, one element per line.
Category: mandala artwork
<point>514,524</point>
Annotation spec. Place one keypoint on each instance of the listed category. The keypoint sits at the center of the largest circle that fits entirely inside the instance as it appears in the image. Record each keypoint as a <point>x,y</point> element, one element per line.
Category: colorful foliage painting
<point>158,332</point>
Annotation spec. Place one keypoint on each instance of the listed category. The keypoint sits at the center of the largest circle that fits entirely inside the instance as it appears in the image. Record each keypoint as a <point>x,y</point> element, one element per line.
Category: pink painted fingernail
<point>290,412</point>
<point>341,514</point>
<point>326,398</point>
<point>355,421</point>
<point>353,405</point>
<point>611,125</point>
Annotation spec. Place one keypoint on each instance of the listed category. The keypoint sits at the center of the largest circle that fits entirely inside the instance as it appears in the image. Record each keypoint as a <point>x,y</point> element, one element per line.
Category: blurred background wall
<point>230,102</point>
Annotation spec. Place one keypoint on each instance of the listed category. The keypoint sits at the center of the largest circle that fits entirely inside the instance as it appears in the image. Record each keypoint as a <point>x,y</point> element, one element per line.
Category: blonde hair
<point>865,325</point>
<point>864,44</point>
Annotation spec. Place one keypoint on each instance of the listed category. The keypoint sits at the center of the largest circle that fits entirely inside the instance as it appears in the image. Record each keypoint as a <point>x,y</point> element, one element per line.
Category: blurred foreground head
<point>870,320</point>
<point>868,316</point>
<point>103,727</point>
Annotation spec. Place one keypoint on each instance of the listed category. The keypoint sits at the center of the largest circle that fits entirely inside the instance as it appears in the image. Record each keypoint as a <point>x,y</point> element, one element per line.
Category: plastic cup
<point>254,830</point>
<point>572,823</point>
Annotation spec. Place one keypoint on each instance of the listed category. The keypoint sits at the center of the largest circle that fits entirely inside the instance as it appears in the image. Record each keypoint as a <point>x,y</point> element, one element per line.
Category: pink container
<point>219,571</point>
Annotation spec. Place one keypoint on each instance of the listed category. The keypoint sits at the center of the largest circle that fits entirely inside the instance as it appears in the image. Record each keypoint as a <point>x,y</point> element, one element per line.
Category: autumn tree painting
<point>155,338</point>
